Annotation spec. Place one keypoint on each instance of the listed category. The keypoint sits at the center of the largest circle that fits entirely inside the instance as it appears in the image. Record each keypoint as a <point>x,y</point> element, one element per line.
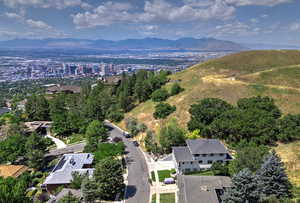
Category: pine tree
<point>36,147</point>
<point>89,190</point>
<point>69,198</point>
<point>243,190</point>
<point>37,108</point>
<point>109,178</point>
<point>272,179</point>
<point>95,134</point>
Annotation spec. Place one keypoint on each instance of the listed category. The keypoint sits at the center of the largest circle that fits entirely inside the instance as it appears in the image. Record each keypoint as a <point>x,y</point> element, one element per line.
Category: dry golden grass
<point>290,155</point>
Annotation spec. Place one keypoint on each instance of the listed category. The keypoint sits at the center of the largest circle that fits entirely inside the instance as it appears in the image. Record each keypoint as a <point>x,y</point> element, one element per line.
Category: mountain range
<point>203,44</point>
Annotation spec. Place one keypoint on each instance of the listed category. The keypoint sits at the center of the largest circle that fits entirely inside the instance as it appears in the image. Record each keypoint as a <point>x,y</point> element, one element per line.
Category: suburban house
<point>12,170</point>
<point>201,189</point>
<point>61,175</point>
<point>37,126</point>
<point>199,154</point>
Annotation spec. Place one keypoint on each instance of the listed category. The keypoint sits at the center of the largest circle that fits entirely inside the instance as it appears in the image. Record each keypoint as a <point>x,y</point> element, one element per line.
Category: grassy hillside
<point>245,74</point>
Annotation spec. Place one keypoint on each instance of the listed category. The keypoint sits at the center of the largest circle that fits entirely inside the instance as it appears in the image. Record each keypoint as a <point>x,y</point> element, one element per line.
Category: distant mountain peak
<point>205,44</point>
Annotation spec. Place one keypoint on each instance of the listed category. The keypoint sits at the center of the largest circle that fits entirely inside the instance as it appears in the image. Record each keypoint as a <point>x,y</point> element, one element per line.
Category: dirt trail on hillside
<point>267,71</point>
<point>223,79</point>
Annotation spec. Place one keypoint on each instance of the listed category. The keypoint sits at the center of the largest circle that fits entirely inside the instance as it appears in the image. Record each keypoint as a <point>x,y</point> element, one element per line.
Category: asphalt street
<point>138,188</point>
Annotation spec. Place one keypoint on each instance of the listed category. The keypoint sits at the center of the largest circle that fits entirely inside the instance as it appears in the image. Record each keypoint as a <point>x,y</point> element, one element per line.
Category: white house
<point>199,154</point>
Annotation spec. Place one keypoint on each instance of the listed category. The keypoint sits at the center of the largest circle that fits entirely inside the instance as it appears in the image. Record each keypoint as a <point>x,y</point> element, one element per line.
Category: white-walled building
<point>199,154</point>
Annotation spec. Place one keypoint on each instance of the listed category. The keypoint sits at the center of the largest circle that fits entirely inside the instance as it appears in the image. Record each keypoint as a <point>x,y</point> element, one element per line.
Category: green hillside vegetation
<point>254,61</point>
<point>286,76</point>
<point>246,74</point>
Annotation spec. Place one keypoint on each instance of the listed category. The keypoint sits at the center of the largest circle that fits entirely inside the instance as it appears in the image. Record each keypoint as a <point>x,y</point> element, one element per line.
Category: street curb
<point>149,173</point>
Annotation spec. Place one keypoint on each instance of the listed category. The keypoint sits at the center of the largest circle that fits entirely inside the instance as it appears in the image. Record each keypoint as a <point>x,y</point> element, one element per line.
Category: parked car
<point>127,135</point>
<point>117,139</point>
<point>135,143</point>
<point>169,181</point>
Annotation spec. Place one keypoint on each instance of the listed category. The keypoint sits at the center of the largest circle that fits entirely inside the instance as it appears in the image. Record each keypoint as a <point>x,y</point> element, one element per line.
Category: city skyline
<point>244,21</point>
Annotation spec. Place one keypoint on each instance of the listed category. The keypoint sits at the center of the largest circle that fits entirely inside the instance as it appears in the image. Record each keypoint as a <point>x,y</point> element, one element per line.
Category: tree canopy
<point>206,111</point>
<point>95,133</point>
<point>171,135</point>
<point>37,108</point>
<point>162,110</point>
<point>109,178</point>
<point>160,95</point>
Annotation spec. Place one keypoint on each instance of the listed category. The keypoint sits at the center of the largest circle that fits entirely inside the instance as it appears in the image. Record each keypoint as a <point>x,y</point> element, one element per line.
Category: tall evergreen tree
<point>95,134</point>
<point>243,190</point>
<point>272,179</point>
<point>37,108</point>
<point>36,147</point>
<point>109,178</point>
<point>89,190</point>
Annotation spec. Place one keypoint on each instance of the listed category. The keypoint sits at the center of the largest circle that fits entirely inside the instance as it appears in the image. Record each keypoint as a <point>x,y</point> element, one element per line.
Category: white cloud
<point>105,14</point>
<point>148,30</point>
<point>59,4</point>
<point>294,27</point>
<point>257,2</point>
<point>234,28</point>
<point>38,24</point>
<point>156,11</point>
<point>7,34</point>
<point>254,20</point>
<point>14,16</point>
<point>264,16</point>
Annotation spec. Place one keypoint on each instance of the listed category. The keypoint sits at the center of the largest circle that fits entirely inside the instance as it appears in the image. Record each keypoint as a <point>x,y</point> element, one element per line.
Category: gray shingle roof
<point>206,146</point>
<point>200,189</point>
<point>68,164</point>
<point>182,154</point>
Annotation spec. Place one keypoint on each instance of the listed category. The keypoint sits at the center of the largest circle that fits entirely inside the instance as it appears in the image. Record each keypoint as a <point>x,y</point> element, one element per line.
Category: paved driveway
<point>75,148</point>
<point>138,189</point>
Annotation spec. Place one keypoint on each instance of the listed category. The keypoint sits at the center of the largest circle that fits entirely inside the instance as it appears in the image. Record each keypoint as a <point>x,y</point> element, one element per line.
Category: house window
<point>182,163</point>
<point>191,162</point>
<point>209,161</point>
<point>179,164</point>
<point>211,155</point>
<point>200,162</point>
<point>220,161</point>
<point>204,155</point>
<point>221,154</point>
<point>197,155</point>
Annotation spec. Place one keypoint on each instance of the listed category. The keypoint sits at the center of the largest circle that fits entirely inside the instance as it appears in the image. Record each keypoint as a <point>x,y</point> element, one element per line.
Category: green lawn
<point>75,138</point>
<point>164,174</point>
<point>201,173</point>
<point>153,176</point>
<point>167,198</point>
<point>153,200</point>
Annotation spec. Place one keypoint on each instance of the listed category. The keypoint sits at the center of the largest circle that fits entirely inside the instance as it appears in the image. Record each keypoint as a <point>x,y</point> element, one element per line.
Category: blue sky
<point>247,21</point>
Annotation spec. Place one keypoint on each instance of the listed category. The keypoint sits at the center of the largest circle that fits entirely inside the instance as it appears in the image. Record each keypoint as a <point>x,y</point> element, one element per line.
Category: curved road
<point>138,189</point>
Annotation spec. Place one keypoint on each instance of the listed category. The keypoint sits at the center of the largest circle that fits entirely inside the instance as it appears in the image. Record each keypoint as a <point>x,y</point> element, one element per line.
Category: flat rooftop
<point>67,165</point>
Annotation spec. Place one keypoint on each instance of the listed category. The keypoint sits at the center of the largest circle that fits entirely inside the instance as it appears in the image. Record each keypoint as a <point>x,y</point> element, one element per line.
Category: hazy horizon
<point>242,21</point>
